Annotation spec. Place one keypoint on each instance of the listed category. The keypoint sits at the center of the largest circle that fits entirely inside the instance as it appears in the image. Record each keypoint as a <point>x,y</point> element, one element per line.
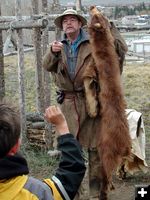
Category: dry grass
<point>136,80</point>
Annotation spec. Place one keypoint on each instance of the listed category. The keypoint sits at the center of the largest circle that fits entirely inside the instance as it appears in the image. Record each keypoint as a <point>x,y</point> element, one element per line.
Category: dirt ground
<point>124,189</point>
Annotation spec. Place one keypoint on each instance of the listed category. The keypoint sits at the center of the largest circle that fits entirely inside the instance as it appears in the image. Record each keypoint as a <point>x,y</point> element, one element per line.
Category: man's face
<point>71,24</point>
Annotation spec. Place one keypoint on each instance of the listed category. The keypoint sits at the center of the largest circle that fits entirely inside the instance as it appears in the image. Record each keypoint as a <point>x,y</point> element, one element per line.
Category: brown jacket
<point>73,106</point>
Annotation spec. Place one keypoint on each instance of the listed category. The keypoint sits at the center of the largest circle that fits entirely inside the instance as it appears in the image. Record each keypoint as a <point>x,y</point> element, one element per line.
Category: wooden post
<point>47,81</point>
<point>21,73</point>
<point>38,62</point>
<point>78,5</point>
<point>27,24</point>
<point>2,79</point>
<point>57,33</point>
<point>45,45</point>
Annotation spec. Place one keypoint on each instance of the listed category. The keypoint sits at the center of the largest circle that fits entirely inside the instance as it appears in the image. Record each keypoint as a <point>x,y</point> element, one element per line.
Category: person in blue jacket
<point>15,183</point>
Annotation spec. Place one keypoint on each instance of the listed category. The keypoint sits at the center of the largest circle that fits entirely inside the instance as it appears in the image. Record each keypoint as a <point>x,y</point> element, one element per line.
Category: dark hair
<point>9,127</point>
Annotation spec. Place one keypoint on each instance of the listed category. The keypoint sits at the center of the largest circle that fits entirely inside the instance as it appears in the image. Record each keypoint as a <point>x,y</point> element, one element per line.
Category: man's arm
<point>71,168</point>
<point>50,60</point>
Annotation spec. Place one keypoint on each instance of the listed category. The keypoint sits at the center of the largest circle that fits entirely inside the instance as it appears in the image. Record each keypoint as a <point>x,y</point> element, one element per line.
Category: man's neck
<point>72,36</point>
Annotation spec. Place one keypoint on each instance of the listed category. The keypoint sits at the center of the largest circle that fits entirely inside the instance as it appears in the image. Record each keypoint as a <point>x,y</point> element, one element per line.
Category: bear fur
<point>104,97</point>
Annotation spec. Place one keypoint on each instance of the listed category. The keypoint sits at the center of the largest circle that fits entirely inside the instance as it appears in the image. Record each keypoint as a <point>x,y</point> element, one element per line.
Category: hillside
<point>106,2</point>
<point>8,6</point>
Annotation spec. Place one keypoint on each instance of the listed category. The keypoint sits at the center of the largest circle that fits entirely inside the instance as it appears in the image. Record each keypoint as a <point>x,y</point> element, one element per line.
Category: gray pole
<point>38,62</point>
<point>46,75</point>
<point>47,81</point>
<point>21,72</point>
<point>2,78</point>
<point>78,5</point>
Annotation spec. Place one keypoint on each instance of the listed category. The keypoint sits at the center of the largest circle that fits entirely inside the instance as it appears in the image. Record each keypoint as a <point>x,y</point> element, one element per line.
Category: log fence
<point>36,23</point>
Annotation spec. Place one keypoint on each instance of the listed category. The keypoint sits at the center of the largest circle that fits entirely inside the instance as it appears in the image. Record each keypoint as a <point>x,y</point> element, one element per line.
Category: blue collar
<point>83,37</point>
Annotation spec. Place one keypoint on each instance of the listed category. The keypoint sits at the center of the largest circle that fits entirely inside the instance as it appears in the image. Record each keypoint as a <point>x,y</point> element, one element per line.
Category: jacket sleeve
<point>71,168</point>
<point>50,61</point>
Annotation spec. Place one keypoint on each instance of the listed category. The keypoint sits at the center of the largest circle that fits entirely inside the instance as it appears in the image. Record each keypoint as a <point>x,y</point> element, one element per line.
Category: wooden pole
<point>4,19</point>
<point>78,5</point>
<point>21,73</point>
<point>47,81</point>
<point>28,24</point>
<point>38,62</point>
<point>45,43</point>
<point>2,78</point>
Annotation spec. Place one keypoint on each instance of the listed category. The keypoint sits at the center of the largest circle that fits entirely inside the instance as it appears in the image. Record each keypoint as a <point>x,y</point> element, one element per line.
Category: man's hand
<point>57,46</point>
<point>54,115</point>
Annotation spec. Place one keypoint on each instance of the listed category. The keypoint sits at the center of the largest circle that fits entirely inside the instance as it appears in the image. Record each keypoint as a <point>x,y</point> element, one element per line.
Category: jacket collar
<point>83,35</point>
<point>11,166</point>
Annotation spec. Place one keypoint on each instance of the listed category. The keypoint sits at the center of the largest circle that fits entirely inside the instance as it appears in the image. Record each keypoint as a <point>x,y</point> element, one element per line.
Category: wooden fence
<point>37,23</point>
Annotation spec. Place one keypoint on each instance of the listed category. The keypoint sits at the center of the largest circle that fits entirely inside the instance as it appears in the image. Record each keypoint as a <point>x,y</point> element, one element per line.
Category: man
<point>14,180</point>
<point>67,60</point>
